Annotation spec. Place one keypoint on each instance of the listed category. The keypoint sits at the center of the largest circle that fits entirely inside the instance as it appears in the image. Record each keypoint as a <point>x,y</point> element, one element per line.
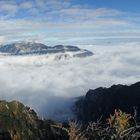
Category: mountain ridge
<point>30,48</point>
<point>101,102</point>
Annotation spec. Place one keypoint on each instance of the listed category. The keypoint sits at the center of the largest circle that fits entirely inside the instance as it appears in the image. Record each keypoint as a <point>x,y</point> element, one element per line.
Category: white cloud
<point>86,13</point>
<point>58,20</point>
<point>9,7</point>
<point>46,86</point>
<point>25,29</point>
<point>26,5</point>
<point>2,39</point>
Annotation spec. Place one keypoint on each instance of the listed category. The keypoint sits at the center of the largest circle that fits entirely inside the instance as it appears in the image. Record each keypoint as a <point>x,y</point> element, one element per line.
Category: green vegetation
<point>18,120</point>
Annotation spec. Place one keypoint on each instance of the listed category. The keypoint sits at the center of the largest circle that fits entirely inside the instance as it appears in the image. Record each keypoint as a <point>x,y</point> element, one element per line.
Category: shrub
<point>120,120</point>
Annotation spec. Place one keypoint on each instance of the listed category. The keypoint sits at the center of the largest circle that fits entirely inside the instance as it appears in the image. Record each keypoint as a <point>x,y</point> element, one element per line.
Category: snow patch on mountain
<point>57,52</point>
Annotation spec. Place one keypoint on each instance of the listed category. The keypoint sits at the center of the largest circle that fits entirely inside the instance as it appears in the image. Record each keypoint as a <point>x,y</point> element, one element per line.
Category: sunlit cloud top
<point>67,21</point>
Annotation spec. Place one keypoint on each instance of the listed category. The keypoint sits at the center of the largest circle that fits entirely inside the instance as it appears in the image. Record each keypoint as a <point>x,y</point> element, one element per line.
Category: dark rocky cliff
<point>103,101</point>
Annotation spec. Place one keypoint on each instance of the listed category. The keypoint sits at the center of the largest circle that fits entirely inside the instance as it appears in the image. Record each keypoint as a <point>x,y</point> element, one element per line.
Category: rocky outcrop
<point>103,101</point>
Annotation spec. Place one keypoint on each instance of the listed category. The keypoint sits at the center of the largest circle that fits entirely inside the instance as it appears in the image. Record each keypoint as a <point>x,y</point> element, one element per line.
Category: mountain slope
<point>19,122</point>
<point>103,101</point>
<point>16,118</point>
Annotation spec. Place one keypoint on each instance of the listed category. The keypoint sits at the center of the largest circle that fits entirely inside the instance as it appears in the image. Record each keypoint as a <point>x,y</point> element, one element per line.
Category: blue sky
<point>68,21</point>
<point>123,5</point>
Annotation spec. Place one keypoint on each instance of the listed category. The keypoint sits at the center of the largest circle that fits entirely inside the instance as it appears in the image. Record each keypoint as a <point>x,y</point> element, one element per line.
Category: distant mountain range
<point>31,48</point>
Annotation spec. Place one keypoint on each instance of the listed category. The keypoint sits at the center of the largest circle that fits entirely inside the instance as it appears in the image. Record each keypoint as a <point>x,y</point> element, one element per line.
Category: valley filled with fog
<point>50,86</point>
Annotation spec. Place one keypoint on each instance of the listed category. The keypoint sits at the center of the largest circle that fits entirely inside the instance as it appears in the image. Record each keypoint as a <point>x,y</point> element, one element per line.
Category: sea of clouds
<point>50,87</point>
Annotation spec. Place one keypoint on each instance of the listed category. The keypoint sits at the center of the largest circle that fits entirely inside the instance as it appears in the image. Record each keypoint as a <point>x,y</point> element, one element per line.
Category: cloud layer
<point>49,86</point>
<point>51,21</point>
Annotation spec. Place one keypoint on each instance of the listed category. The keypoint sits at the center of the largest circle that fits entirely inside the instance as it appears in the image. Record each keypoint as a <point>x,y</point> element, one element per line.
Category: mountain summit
<point>28,48</point>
